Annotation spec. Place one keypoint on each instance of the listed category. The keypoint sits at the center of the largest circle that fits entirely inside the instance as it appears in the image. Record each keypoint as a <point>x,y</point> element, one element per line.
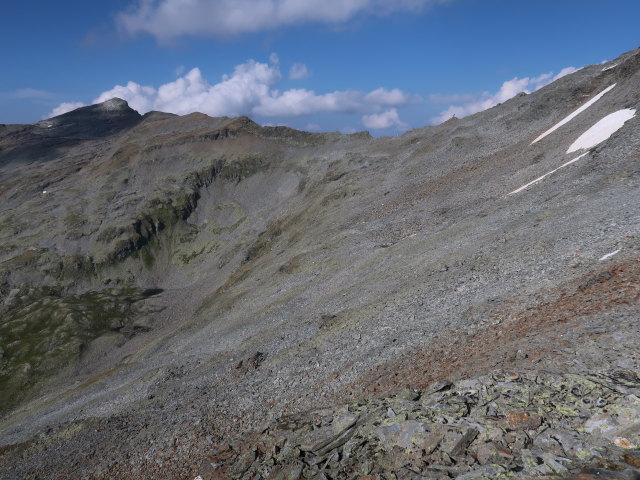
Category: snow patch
<point>547,174</point>
<point>574,114</point>
<point>610,68</point>
<point>609,255</point>
<point>602,130</point>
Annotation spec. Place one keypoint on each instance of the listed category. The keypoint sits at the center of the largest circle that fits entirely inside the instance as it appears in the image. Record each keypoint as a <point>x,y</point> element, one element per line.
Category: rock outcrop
<point>494,426</point>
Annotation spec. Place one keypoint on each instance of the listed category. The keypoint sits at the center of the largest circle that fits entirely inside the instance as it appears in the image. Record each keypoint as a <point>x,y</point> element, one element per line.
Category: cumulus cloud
<point>564,72</point>
<point>64,108</point>
<point>167,19</point>
<point>386,119</point>
<point>509,89</point>
<point>307,102</point>
<point>235,95</point>
<point>391,97</point>
<point>140,98</point>
<point>250,90</point>
<point>298,71</point>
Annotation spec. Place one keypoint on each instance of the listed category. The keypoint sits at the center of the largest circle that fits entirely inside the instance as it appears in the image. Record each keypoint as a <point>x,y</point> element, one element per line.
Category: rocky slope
<point>194,296</point>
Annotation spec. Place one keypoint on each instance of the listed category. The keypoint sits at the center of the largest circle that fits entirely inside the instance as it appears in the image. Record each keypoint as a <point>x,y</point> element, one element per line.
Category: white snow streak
<point>547,174</point>
<point>608,255</point>
<point>602,130</point>
<point>610,68</point>
<point>574,114</point>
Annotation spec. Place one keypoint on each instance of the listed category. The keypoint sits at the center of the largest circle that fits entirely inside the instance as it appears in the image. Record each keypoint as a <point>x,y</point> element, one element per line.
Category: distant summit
<point>50,138</point>
<point>96,120</point>
<point>114,104</point>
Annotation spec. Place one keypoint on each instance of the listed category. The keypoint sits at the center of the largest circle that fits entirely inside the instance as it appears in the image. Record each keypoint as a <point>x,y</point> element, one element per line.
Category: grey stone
<point>408,394</point>
<point>438,386</point>
<point>405,434</point>
<point>465,440</point>
<point>488,472</point>
<point>555,463</point>
<point>601,423</point>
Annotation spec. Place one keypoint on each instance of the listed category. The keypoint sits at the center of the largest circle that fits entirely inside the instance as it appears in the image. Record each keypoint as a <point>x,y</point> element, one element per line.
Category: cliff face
<point>168,283</point>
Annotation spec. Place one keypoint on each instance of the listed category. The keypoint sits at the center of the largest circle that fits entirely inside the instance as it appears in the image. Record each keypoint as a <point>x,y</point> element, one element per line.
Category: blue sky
<point>344,65</point>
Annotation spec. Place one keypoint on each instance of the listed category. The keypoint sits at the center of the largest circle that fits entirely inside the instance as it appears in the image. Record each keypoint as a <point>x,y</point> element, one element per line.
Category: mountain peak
<point>114,104</point>
<point>49,138</point>
<point>113,107</point>
<point>93,121</point>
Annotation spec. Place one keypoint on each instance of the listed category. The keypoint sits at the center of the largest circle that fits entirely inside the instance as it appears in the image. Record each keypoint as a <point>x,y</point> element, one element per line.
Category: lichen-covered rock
<point>447,438</point>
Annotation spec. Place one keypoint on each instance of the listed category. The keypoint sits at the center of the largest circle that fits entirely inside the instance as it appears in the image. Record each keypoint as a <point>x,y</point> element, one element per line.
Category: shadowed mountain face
<point>53,138</point>
<point>170,283</point>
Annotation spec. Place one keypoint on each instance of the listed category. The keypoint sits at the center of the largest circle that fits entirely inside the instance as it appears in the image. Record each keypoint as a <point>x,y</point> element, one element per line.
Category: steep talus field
<point>187,296</point>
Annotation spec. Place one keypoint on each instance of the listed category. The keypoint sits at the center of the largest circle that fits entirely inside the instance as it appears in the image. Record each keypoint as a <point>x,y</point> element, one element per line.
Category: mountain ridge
<point>185,280</point>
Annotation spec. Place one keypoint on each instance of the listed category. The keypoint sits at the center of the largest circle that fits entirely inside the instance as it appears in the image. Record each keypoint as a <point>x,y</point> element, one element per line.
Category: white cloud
<point>250,90</point>
<point>565,71</point>
<point>307,102</point>
<point>140,98</point>
<point>64,108</point>
<point>509,89</point>
<point>167,19</point>
<point>298,71</point>
<point>391,97</point>
<point>386,119</point>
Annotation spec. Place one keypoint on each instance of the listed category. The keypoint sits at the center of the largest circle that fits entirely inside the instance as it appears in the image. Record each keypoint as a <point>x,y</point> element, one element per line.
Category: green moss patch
<point>171,205</point>
<point>43,330</point>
